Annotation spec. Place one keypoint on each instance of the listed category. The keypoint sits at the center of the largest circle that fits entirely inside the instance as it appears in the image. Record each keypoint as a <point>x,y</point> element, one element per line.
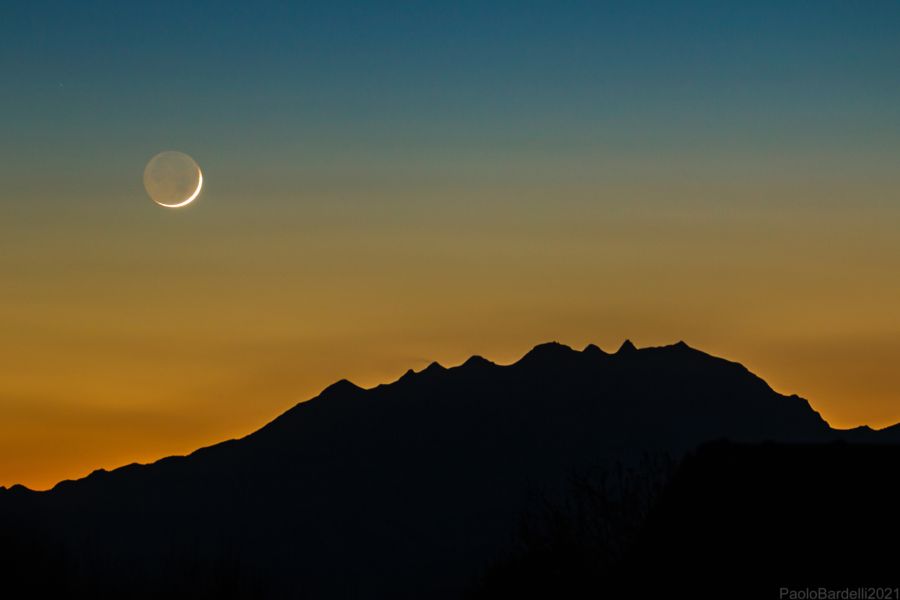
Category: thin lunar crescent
<point>173,179</point>
<point>190,198</point>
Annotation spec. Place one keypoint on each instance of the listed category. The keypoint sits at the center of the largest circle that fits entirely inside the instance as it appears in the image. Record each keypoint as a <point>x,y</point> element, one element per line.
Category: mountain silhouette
<point>408,489</point>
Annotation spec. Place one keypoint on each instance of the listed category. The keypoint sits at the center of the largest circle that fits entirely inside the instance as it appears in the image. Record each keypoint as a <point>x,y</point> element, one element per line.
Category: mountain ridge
<point>404,489</point>
<point>541,351</point>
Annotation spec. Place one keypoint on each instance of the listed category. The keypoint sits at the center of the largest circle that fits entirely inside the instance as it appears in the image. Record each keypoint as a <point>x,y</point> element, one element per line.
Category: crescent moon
<point>190,198</point>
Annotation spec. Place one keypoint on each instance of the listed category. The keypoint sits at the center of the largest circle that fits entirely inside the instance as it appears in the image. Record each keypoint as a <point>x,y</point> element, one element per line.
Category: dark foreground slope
<point>750,520</point>
<point>404,490</point>
<point>736,521</point>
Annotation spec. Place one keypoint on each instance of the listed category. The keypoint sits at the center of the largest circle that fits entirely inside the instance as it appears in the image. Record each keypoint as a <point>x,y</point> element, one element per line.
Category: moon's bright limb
<point>172,179</point>
<point>190,198</point>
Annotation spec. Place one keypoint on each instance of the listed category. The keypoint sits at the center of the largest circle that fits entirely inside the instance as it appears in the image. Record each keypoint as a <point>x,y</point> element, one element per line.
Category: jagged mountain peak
<point>626,348</point>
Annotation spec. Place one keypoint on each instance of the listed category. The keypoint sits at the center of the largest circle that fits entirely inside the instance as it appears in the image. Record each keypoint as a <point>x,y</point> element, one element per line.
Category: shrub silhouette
<point>575,543</point>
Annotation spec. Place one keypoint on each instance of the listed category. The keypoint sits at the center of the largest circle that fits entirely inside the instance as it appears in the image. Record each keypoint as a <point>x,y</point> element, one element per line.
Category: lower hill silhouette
<point>416,489</point>
<point>736,521</point>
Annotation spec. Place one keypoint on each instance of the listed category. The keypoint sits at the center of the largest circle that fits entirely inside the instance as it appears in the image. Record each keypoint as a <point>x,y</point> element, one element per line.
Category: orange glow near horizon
<point>137,335</point>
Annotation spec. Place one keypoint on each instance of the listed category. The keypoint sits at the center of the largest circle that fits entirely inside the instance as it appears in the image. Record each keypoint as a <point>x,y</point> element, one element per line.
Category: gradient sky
<point>390,183</point>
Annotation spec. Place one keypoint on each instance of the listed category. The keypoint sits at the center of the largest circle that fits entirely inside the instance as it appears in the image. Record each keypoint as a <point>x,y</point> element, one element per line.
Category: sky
<point>391,183</point>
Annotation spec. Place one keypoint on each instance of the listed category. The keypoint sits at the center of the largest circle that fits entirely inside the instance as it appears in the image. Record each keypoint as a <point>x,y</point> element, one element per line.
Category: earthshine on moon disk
<point>173,179</point>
